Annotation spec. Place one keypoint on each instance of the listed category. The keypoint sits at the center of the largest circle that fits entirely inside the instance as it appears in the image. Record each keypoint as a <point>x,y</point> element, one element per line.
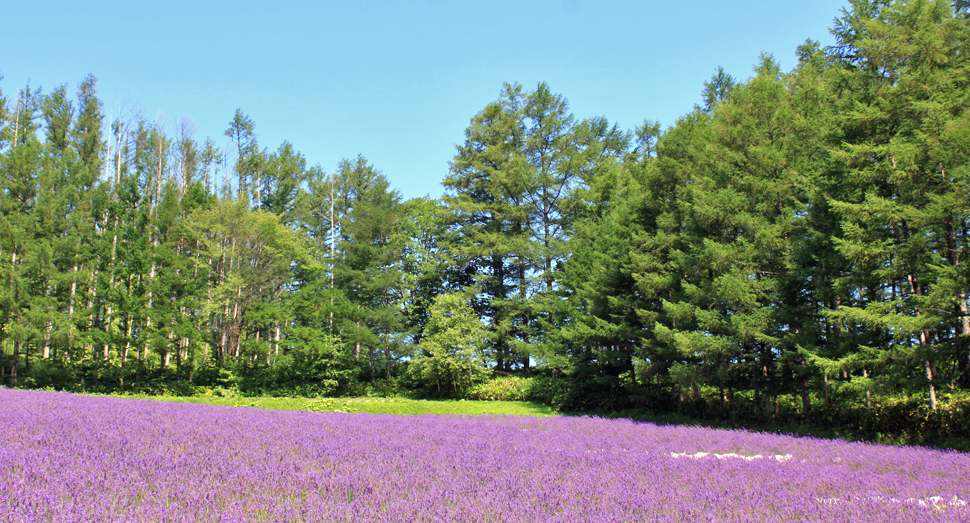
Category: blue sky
<point>396,82</point>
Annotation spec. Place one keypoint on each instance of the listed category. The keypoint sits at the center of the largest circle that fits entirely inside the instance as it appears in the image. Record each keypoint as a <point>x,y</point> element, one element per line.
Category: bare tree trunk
<point>924,341</point>
<point>371,357</point>
<point>333,243</point>
<point>276,340</point>
<point>111,286</point>
<point>47,339</point>
<point>91,297</point>
<point>124,354</point>
<point>224,338</point>
<point>825,378</point>
<point>964,363</point>
<point>237,325</point>
<point>107,151</point>
<point>72,294</point>
<point>930,376</point>
<point>154,233</point>
<point>387,354</point>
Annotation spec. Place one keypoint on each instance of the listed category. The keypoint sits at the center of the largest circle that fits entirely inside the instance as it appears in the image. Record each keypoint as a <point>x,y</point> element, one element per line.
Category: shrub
<point>550,391</point>
<point>505,388</point>
<point>50,373</point>
<point>452,351</point>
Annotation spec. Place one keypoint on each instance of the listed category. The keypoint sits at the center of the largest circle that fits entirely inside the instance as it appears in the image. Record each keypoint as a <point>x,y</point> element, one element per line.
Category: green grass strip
<point>402,406</point>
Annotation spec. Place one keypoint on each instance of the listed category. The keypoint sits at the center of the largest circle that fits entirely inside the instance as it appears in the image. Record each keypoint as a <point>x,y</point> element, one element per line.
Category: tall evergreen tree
<point>283,172</point>
<point>242,132</point>
<point>904,67</point>
<point>487,193</point>
<point>87,134</point>
<point>513,194</point>
<point>370,265</point>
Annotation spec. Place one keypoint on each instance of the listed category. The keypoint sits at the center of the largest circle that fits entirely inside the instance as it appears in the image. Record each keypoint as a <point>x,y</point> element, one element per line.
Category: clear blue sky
<point>395,81</point>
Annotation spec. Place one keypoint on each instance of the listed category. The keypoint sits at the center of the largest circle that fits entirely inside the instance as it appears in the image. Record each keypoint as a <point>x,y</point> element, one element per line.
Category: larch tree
<point>904,67</point>
<point>487,195</point>
<point>370,265</point>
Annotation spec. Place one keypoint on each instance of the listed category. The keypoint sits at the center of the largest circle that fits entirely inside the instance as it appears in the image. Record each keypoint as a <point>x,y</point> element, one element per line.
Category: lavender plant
<point>79,459</point>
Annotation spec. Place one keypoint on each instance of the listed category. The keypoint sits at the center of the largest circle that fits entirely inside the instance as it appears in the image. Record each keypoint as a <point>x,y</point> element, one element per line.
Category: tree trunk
<point>930,376</point>
<point>274,337</point>
<point>825,387</point>
<point>370,358</point>
<point>16,363</point>
<point>47,339</point>
<point>758,411</point>
<point>111,286</point>
<point>964,364</point>
<point>387,355</point>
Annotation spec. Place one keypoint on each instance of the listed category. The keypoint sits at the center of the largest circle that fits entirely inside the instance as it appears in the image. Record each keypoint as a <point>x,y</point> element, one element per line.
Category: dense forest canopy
<point>796,234</point>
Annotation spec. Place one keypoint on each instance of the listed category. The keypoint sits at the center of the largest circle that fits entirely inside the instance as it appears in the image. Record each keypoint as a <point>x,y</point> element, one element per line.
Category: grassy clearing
<point>401,406</point>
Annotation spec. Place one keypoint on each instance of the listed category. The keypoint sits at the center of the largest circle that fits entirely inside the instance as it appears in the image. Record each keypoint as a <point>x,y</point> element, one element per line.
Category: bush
<point>50,373</point>
<point>550,391</point>
<point>506,388</point>
<point>452,358</point>
<point>909,416</point>
<point>384,388</point>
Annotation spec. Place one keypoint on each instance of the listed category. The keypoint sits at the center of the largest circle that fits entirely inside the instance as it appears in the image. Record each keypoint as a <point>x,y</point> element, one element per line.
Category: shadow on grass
<point>797,430</point>
<point>424,407</point>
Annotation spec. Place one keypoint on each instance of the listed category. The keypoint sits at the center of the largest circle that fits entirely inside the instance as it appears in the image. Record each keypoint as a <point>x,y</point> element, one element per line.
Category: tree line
<point>795,235</point>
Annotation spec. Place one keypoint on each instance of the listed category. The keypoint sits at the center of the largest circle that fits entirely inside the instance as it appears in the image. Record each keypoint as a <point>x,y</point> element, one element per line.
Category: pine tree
<point>487,193</point>
<point>370,265</point>
<point>87,128</point>
<point>283,172</point>
<point>242,131</point>
<point>904,66</point>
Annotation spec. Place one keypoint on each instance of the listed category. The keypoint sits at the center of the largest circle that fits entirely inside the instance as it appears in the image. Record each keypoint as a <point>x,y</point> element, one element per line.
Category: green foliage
<point>369,271</point>
<point>503,388</point>
<point>516,187</point>
<point>453,348</point>
<point>52,374</point>
<point>791,251</point>
<point>317,361</point>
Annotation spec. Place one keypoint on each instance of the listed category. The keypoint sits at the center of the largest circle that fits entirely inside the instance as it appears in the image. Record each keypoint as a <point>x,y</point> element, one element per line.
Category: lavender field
<point>67,458</point>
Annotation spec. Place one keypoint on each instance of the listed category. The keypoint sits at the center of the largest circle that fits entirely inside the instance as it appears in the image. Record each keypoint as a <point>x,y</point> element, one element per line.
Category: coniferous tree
<point>487,195</point>
<point>242,132</point>
<point>370,265</point>
<point>514,189</point>
<point>283,172</point>
<point>87,128</point>
<point>904,146</point>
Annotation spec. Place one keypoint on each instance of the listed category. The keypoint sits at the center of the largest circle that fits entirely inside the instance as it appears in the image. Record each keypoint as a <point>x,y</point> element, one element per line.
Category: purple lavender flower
<point>77,458</point>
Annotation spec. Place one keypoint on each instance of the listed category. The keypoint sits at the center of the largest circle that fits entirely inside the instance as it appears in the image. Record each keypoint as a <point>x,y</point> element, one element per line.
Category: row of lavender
<point>76,458</point>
